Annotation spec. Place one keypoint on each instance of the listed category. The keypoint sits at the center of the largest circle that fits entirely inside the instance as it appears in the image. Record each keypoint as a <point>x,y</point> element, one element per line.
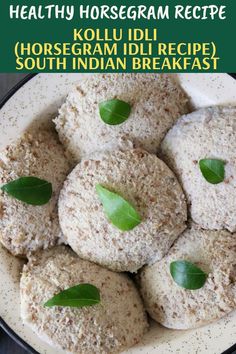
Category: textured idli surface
<point>207,133</point>
<point>25,228</point>
<point>117,323</point>
<point>145,182</point>
<point>175,307</point>
<point>157,101</point>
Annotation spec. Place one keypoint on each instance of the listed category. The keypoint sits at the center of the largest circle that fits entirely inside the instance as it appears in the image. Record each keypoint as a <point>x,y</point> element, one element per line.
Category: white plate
<point>40,98</point>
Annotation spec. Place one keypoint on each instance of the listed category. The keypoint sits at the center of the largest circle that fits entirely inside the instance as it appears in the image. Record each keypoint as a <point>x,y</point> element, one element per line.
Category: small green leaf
<point>213,170</point>
<point>31,190</point>
<point>114,111</point>
<point>118,210</point>
<point>77,296</point>
<point>187,275</point>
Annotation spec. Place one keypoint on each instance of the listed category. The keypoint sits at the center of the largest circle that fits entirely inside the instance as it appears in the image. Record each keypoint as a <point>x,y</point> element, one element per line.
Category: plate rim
<point>12,334</point>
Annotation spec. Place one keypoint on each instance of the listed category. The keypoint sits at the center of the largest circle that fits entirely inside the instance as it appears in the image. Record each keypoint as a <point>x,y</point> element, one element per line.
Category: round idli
<point>157,101</point>
<point>175,307</point>
<point>25,228</point>
<point>207,133</point>
<point>147,184</point>
<point>115,324</point>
